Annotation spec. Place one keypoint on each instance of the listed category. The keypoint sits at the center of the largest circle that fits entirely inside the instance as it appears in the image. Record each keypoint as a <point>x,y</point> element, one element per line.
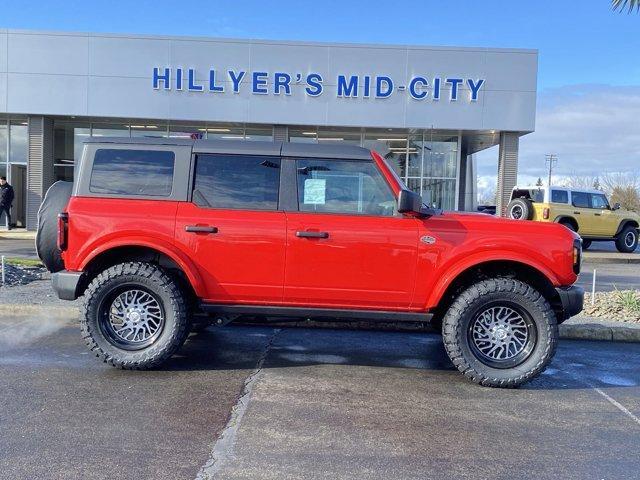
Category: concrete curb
<point>577,328</point>
<point>611,261</point>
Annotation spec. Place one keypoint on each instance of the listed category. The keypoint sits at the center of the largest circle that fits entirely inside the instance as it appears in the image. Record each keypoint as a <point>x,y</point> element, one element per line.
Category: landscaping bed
<point>21,272</point>
<point>622,305</point>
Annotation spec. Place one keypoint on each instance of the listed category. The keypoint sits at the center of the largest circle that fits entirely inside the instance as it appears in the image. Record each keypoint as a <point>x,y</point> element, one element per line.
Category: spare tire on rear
<point>520,209</point>
<point>55,201</point>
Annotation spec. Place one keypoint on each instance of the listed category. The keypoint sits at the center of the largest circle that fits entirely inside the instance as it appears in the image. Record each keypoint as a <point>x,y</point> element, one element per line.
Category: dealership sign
<point>420,87</point>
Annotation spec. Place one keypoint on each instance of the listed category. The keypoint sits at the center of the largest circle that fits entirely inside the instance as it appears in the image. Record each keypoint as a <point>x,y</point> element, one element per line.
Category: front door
<point>347,247</point>
<point>606,221</point>
<point>233,230</point>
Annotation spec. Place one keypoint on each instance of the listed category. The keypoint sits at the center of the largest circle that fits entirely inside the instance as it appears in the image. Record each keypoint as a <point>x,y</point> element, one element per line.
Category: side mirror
<point>616,206</point>
<point>409,202</point>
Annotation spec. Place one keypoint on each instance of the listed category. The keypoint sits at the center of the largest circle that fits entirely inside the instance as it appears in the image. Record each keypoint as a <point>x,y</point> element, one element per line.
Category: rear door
<point>347,247</point>
<point>582,212</point>
<point>232,228</point>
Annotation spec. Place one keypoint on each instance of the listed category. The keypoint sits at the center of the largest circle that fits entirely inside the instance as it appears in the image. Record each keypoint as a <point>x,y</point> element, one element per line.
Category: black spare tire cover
<point>55,201</point>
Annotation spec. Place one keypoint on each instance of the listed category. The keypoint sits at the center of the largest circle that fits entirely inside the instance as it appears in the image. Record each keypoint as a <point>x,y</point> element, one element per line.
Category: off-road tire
<point>586,244</point>
<point>520,209</point>
<point>622,240</point>
<point>463,311</point>
<point>158,282</point>
<point>54,202</point>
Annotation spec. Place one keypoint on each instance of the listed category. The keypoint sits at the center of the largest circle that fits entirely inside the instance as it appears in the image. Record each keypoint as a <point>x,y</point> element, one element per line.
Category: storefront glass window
<point>303,134</point>
<point>258,134</point>
<point>392,146</point>
<point>147,129</point>
<point>225,132</point>
<point>326,135</point>
<point>109,130</point>
<point>68,140</point>
<point>3,148</point>
<point>194,132</point>
<point>18,142</point>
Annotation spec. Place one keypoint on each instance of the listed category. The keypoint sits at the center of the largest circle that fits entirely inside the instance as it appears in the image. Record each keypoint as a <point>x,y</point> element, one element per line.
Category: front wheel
<point>500,333</point>
<point>134,316</point>
<point>627,240</point>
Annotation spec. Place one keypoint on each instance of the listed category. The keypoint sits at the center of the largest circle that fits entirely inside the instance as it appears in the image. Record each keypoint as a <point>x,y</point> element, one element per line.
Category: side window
<point>559,196</point>
<point>132,172</point>
<point>343,186</point>
<point>237,182</point>
<point>599,201</point>
<point>580,199</point>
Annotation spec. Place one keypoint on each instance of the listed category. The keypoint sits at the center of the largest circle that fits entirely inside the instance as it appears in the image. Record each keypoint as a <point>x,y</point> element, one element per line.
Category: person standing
<point>6,199</point>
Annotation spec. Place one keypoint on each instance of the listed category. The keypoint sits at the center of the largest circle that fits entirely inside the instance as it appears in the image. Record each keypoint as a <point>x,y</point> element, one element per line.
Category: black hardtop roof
<point>235,147</point>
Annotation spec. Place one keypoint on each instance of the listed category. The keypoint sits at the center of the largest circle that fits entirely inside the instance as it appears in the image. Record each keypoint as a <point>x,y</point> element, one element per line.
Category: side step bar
<point>316,313</point>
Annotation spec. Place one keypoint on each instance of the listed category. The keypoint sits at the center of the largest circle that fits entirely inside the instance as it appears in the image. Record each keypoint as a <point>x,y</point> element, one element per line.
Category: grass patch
<point>23,262</point>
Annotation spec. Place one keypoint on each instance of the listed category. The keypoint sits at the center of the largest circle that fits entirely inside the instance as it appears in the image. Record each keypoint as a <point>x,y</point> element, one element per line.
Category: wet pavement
<point>324,404</point>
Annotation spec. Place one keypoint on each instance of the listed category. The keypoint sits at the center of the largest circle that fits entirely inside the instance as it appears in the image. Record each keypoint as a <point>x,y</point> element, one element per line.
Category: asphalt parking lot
<point>304,403</point>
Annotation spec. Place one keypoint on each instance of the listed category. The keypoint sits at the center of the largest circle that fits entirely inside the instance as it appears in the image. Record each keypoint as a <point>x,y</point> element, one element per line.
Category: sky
<point>588,110</point>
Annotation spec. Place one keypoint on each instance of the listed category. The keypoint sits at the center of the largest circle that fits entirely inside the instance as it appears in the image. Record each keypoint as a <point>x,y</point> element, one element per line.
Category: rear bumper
<point>572,299</point>
<point>66,283</point>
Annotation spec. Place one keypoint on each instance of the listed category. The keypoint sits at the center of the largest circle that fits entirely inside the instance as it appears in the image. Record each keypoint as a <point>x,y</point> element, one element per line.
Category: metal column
<point>507,169</point>
<point>39,165</point>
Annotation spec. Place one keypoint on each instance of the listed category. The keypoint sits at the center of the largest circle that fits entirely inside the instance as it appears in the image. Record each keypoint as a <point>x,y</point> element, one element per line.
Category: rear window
<point>132,172</point>
<point>237,182</point>
<point>536,195</point>
<point>580,199</point>
<point>559,196</point>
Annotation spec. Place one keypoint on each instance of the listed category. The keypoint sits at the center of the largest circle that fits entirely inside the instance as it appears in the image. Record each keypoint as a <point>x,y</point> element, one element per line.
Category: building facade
<point>425,109</point>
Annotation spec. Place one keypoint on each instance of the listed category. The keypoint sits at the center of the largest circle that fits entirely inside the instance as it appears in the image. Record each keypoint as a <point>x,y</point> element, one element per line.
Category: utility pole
<point>550,159</point>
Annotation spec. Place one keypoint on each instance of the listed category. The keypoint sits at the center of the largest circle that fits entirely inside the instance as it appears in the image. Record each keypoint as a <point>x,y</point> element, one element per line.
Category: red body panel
<point>367,262</point>
<point>244,261</point>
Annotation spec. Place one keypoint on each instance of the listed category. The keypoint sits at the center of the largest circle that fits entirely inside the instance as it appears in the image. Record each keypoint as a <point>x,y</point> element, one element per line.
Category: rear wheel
<point>569,225</point>
<point>500,333</point>
<point>520,209</point>
<point>134,316</point>
<point>627,240</point>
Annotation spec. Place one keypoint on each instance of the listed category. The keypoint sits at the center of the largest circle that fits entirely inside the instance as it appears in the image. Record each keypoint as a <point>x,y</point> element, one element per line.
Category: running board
<point>316,313</point>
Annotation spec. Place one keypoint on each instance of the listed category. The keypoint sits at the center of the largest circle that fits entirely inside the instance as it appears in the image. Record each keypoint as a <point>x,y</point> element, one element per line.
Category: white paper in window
<point>315,191</point>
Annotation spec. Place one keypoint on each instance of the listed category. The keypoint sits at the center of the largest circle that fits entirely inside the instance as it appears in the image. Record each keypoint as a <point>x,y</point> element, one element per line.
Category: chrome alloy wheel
<point>630,239</point>
<point>516,212</point>
<point>501,337</point>
<point>135,318</point>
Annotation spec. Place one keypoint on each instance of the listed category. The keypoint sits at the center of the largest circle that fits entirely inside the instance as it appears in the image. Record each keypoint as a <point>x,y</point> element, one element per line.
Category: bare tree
<point>629,5</point>
<point>623,188</point>
<point>580,181</point>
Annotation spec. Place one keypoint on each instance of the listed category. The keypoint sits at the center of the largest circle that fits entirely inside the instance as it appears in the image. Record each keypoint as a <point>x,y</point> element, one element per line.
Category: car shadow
<point>577,365</point>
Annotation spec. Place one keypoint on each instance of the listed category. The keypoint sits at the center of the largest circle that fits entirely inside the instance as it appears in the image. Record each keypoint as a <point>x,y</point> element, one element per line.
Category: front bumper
<point>572,299</point>
<point>66,283</point>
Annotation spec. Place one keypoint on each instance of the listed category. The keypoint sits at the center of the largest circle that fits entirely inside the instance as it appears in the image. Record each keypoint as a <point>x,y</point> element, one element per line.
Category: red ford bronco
<point>157,233</point>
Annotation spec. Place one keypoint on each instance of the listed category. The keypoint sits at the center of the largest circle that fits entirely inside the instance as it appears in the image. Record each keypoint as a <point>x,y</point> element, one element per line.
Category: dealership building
<point>427,110</point>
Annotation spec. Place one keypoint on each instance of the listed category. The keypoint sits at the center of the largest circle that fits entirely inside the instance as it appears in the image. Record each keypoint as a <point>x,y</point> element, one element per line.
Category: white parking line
<point>618,405</point>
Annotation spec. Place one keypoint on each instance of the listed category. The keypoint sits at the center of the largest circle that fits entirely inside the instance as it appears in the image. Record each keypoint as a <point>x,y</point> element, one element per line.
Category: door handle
<point>576,213</point>
<point>598,214</point>
<point>312,234</point>
<point>200,229</point>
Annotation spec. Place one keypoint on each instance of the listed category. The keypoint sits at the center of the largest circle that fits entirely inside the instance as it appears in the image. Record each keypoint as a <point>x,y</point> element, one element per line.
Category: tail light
<point>577,256</point>
<point>545,213</point>
<point>63,230</point>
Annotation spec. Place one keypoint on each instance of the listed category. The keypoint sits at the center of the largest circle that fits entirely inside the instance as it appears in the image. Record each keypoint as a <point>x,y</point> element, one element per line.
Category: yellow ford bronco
<point>584,211</point>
